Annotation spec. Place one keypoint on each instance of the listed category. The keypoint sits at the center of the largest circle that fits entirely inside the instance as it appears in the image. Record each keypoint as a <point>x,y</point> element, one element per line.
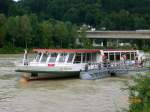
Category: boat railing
<point>147,62</point>
<point>117,65</point>
<point>25,62</point>
<point>92,66</point>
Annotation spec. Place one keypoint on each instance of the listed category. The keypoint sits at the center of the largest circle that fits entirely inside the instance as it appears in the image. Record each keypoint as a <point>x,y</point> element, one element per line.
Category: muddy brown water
<point>59,95</point>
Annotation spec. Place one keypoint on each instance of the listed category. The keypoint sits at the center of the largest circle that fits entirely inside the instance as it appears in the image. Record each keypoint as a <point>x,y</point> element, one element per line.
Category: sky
<point>16,0</point>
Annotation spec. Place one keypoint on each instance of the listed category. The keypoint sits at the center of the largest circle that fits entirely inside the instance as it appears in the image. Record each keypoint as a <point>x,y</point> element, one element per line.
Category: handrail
<point>116,65</point>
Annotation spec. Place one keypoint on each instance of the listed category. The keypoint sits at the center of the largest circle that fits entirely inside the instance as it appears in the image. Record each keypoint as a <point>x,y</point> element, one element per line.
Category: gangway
<point>97,71</point>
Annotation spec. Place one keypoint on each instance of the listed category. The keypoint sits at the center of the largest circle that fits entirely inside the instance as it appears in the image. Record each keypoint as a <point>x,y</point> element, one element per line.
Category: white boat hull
<point>42,72</point>
<point>50,75</point>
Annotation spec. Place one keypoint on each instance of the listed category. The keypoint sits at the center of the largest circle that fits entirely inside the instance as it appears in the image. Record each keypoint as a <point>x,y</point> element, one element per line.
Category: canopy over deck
<point>67,50</point>
<point>118,50</point>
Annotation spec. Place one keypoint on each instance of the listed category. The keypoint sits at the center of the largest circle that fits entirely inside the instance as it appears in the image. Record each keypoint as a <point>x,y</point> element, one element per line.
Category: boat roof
<point>68,50</point>
<point>118,50</point>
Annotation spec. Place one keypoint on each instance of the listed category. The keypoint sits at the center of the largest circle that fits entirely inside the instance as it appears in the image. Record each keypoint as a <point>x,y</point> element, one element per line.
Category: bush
<point>140,94</point>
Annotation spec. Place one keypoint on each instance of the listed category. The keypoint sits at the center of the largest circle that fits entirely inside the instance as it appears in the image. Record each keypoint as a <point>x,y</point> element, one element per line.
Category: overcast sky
<point>16,0</point>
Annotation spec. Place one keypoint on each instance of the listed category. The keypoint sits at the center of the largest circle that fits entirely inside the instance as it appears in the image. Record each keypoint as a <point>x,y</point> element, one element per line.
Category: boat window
<point>44,57</point>
<point>89,59</point>
<point>135,55</point>
<point>132,56</point>
<point>53,57</point>
<point>117,56</point>
<point>93,57</point>
<point>128,55</point>
<point>111,56</point>
<point>84,57</point>
<point>106,55</point>
<point>78,58</point>
<point>123,54</point>
<point>71,55</point>
<point>62,57</point>
<point>38,57</point>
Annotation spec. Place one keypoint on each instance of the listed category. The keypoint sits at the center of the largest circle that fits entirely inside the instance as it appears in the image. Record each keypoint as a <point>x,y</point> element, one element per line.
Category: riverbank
<point>11,50</point>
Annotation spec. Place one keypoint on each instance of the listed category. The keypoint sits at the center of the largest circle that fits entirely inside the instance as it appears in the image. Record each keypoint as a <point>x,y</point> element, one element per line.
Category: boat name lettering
<point>63,69</point>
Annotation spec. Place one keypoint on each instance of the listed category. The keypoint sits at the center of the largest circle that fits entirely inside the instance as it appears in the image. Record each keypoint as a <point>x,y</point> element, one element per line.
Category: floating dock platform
<point>101,72</point>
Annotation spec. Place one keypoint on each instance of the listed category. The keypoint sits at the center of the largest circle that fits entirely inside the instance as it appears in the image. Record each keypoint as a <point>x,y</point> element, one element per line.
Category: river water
<point>59,95</point>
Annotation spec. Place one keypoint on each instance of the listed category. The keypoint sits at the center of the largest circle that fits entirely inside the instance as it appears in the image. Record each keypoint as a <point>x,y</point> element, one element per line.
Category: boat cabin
<point>66,56</point>
<point>117,55</point>
<point>82,56</point>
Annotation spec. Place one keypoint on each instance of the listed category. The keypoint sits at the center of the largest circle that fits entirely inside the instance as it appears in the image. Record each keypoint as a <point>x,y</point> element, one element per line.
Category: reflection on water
<point>59,95</point>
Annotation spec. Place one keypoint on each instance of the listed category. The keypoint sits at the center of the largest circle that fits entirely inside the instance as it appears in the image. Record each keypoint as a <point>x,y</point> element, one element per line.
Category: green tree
<point>85,42</point>
<point>25,30</point>
<point>119,13</point>
<point>46,30</point>
<point>5,5</point>
<point>16,9</point>
<point>13,27</point>
<point>3,20</point>
<point>120,20</point>
<point>36,38</point>
<point>72,15</point>
<point>72,34</point>
<point>61,34</point>
<point>139,22</point>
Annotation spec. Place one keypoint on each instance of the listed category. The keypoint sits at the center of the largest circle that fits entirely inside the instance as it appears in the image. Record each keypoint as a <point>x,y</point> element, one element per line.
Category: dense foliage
<point>28,31</point>
<point>140,94</point>
<point>112,14</point>
<point>51,23</point>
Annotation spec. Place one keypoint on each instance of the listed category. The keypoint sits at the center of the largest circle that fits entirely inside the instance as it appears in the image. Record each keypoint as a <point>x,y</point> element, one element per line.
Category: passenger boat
<point>53,63</point>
